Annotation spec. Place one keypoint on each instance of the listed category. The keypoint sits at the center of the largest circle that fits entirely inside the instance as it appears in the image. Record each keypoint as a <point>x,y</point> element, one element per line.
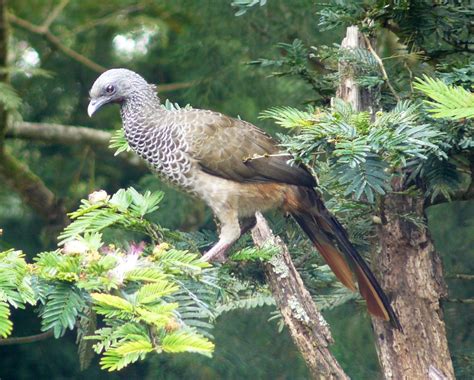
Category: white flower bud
<point>98,196</point>
<point>74,246</point>
<point>376,219</point>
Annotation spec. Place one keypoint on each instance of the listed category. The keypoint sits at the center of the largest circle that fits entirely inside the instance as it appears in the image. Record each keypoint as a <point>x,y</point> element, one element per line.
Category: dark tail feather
<point>330,238</point>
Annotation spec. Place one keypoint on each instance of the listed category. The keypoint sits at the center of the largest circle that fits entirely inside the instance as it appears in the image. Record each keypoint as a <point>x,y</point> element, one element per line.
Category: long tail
<point>331,240</point>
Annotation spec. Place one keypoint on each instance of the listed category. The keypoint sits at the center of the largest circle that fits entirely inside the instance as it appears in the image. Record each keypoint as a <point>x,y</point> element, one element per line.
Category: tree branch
<point>107,18</point>
<point>461,276</point>
<point>26,339</point>
<point>169,87</point>
<point>66,134</point>
<point>309,330</point>
<point>58,133</point>
<point>44,31</point>
<point>382,67</point>
<point>54,14</point>
<point>56,42</point>
<point>461,300</point>
<point>32,190</point>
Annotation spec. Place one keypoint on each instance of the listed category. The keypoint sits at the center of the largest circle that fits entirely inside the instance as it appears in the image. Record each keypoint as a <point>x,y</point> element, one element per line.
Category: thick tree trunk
<point>307,326</point>
<point>410,272</point>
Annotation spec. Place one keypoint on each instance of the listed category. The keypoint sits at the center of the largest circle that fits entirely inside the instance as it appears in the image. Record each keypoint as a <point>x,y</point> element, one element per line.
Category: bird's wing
<point>237,150</point>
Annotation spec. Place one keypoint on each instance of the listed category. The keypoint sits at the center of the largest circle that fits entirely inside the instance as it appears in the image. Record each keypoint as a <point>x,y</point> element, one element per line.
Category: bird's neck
<point>139,111</point>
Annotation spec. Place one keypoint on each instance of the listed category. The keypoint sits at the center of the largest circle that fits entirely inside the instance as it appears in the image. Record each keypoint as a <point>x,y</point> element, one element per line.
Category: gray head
<point>117,86</point>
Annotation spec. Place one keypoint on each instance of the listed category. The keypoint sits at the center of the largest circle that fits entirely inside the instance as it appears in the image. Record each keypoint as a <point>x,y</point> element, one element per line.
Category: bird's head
<point>115,86</point>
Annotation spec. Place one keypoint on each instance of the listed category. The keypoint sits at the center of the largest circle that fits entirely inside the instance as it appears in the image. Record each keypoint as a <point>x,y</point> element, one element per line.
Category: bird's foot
<point>217,253</point>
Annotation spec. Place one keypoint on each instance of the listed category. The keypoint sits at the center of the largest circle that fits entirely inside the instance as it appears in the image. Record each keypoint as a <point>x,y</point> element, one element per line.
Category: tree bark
<point>412,275</point>
<point>410,271</point>
<point>349,90</point>
<point>307,327</point>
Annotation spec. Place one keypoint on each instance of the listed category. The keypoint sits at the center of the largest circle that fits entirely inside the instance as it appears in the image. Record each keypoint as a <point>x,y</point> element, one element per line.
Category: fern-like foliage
<point>62,307</point>
<point>16,288</point>
<point>244,5</point>
<point>441,176</point>
<point>125,209</point>
<point>8,97</point>
<point>447,101</point>
<point>255,254</point>
<point>6,326</point>
<point>355,152</point>
<point>119,142</point>
<point>152,298</point>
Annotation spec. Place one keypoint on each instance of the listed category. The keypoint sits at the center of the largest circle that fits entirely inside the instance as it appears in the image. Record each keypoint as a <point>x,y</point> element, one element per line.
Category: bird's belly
<point>246,198</point>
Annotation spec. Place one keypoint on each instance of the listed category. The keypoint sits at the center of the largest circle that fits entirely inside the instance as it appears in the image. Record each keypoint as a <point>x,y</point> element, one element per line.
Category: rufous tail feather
<point>331,240</point>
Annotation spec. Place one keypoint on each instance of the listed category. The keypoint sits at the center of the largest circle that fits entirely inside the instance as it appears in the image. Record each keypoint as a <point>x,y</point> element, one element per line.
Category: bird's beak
<point>95,104</point>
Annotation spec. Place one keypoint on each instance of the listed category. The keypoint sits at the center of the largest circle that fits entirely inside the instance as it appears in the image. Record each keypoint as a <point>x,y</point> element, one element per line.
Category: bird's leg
<point>229,234</point>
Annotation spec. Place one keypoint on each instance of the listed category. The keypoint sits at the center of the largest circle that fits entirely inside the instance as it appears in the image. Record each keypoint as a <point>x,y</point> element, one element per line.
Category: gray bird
<point>237,169</point>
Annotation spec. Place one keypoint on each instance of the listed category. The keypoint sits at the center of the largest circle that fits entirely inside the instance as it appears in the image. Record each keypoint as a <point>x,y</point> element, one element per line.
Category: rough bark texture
<point>307,327</point>
<point>348,89</point>
<point>410,272</point>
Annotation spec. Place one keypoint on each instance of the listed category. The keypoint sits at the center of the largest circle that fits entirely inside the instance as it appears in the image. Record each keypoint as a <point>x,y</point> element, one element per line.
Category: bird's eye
<point>109,89</point>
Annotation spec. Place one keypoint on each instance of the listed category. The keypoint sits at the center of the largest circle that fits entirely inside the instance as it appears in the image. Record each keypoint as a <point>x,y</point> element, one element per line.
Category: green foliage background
<point>203,42</point>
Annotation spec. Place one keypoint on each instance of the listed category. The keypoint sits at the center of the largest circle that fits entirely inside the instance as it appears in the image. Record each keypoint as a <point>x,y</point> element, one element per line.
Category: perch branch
<point>307,327</point>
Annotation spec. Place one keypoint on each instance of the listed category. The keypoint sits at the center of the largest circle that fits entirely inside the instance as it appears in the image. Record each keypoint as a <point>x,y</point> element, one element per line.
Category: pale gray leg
<point>229,234</point>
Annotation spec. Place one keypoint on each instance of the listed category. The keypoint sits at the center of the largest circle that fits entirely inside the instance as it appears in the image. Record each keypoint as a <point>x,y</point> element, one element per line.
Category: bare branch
<point>44,31</point>
<point>26,339</point>
<point>32,190</point>
<point>57,133</point>
<point>56,42</point>
<point>382,67</point>
<point>461,276</point>
<point>309,330</point>
<point>461,300</point>
<point>66,134</point>
<point>169,87</point>
<point>106,19</point>
<point>54,14</point>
